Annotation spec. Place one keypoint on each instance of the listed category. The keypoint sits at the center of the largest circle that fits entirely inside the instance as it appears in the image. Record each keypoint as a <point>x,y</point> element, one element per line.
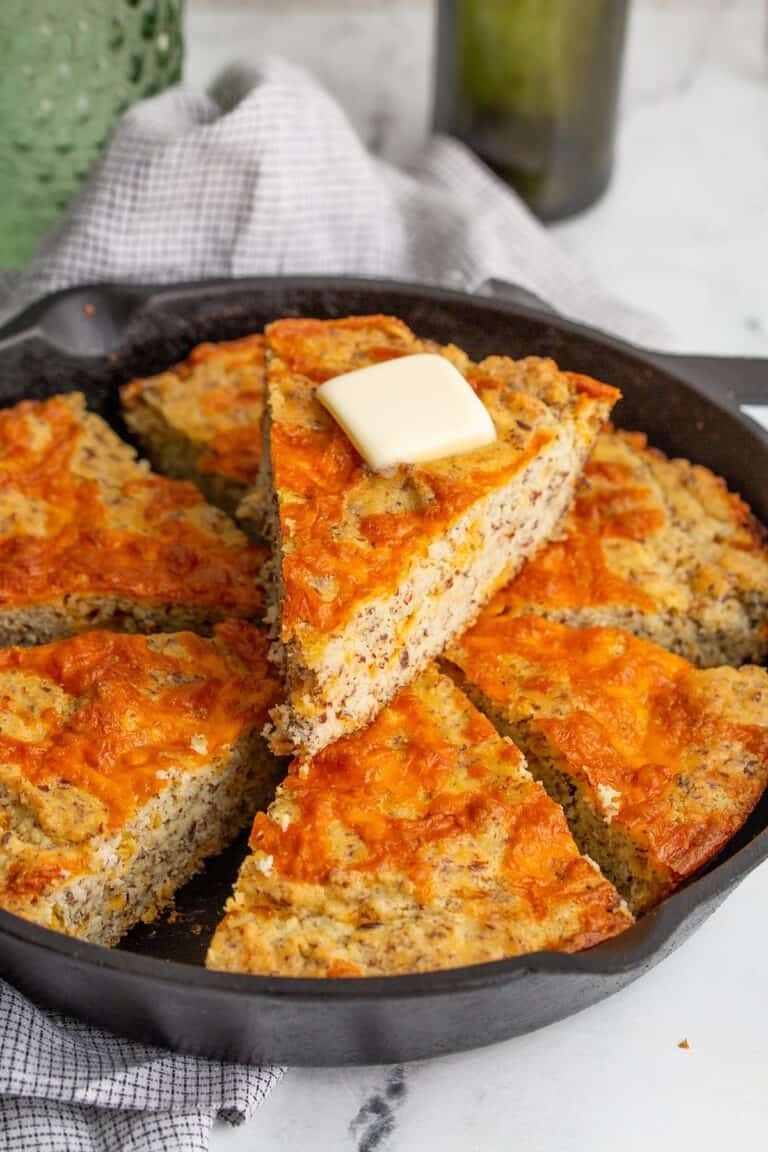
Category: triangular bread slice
<point>659,547</point>
<point>126,761</point>
<point>89,537</point>
<point>374,573</point>
<point>655,762</point>
<point>201,419</point>
<point>419,843</point>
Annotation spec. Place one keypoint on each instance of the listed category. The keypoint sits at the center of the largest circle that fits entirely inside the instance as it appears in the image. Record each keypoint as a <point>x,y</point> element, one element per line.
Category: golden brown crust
<point>349,541</point>
<point>97,728</point>
<point>671,758</point>
<point>348,533</point>
<point>80,519</point>
<point>660,547</point>
<point>213,402</point>
<point>420,843</point>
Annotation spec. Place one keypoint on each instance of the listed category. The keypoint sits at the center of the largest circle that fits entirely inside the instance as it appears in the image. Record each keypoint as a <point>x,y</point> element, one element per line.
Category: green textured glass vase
<point>68,68</point>
<point>532,87</point>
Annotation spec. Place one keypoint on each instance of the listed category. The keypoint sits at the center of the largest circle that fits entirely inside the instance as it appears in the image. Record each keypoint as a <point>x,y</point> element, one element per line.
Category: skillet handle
<point>740,380</point>
<point>87,321</point>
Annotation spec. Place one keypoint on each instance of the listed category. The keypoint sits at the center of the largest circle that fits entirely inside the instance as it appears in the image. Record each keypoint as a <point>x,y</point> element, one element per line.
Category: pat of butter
<point>408,411</point>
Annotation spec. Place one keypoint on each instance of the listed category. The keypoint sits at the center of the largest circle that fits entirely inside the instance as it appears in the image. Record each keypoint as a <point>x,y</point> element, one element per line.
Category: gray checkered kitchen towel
<point>263,176</point>
<point>65,1087</point>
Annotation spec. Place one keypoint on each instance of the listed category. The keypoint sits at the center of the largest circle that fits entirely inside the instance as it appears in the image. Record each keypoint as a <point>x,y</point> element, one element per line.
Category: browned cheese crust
<point>657,546</point>
<point>201,419</point>
<point>656,763</point>
<point>417,844</point>
<point>89,537</point>
<point>374,572</point>
<point>125,761</point>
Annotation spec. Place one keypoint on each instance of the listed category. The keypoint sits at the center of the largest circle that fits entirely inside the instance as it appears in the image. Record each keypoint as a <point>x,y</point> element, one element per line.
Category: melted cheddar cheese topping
<point>79,515</point>
<point>652,739</point>
<point>576,570</point>
<point>428,796</point>
<point>347,534</point>
<point>94,727</point>
<point>216,398</point>
<point>106,713</point>
<point>645,533</point>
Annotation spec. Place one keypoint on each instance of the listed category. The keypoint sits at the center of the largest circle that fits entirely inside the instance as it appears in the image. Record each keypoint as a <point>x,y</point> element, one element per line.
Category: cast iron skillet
<point>154,987</point>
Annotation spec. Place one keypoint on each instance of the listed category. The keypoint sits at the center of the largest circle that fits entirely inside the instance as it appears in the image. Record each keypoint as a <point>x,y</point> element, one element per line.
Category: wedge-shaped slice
<point>89,537</point>
<point>124,762</point>
<point>375,572</point>
<point>419,843</point>
<point>201,420</point>
<point>655,762</point>
<point>657,546</point>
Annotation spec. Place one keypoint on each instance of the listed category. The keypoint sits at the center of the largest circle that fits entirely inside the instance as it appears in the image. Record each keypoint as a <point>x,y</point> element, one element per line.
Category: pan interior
<point>147,332</point>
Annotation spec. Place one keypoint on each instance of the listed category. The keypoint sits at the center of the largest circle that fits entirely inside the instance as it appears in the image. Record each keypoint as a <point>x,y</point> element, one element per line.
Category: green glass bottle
<point>68,68</point>
<point>532,87</point>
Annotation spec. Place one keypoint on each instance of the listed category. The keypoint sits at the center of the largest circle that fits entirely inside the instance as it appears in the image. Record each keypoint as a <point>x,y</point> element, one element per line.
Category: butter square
<point>408,411</point>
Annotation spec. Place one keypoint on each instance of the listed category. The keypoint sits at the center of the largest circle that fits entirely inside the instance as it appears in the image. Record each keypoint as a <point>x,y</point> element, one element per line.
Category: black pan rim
<point>630,951</point>
<point>610,958</point>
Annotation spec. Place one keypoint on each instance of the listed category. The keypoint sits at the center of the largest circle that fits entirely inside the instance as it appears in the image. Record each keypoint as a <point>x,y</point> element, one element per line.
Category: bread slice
<point>655,762</point>
<point>376,572</point>
<point>201,420</point>
<point>125,761</point>
<point>89,537</point>
<point>417,844</point>
<point>657,546</point>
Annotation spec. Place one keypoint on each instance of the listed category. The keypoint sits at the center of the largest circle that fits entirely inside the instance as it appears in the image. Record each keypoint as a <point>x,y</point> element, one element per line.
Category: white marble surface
<point>611,1078</point>
<point>683,229</point>
<point>683,232</point>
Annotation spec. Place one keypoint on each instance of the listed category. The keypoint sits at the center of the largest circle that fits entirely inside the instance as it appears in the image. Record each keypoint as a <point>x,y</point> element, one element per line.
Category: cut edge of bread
<point>72,614</point>
<point>620,858</point>
<point>331,693</point>
<point>703,646</point>
<point>174,454</point>
<point>166,842</point>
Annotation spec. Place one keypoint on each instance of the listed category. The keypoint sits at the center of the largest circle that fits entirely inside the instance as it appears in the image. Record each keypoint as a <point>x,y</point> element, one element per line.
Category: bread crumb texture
<point>657,546</point>
<point>201,419</point>
<point>124,761</point>
<point>375,571</point>
<point>89,536</point>
<point>418,844</point>
<point>657,763</point>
